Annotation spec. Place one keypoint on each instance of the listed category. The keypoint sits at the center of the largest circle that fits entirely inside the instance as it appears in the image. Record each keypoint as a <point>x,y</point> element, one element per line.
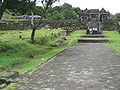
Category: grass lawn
<point>19,54</point>
<point>114,37</point>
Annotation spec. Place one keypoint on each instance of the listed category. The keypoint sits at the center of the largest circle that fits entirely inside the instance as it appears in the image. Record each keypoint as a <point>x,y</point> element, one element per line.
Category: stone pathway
<point>84,66</point>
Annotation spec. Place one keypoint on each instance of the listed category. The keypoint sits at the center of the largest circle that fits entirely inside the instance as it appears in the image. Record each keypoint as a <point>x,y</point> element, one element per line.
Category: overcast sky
<point>112,5</point>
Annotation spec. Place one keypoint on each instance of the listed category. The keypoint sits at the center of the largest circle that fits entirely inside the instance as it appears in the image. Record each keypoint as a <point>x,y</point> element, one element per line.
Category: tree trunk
<point>1,14</point>
<point>2,8</point>
<point>33,35</point>
<point>40,21</point>
<point>34,27</point>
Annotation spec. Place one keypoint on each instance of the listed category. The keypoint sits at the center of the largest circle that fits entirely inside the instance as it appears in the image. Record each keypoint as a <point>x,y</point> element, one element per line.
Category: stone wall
<point>54,24</point>
<point>110,25</point>
<point>21,25</point>
<point>50,24</point>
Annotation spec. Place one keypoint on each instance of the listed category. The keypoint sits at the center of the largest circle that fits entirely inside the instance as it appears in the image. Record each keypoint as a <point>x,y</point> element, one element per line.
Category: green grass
<point>20,54</point>
<point>114,37</point>
<point>8,17</point>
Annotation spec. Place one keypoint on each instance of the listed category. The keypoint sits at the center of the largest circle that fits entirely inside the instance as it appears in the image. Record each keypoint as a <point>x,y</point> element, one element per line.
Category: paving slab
<point>84,66</point>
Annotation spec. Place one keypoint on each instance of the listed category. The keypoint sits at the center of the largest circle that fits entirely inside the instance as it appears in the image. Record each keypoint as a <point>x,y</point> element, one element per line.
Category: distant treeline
<point>63,12</point>
<point>116,16</point>
<point>66,11</point>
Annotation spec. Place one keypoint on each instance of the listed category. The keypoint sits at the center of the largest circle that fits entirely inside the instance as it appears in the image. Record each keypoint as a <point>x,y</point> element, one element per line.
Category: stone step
<point>93,40</point>
<point>94,36</point>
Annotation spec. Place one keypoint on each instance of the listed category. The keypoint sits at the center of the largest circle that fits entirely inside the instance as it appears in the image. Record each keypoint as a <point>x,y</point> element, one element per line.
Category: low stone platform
<point>93,40</point>
<point>94,36</point>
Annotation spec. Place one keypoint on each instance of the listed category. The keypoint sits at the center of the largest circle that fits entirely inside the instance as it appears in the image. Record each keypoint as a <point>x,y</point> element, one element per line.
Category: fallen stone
<point>2,81</point>
<point>9,74</point>
<point>54,45</point>
<point>60,42</point>
<point>3,86</point>
<point>7,40</point>
<point>12,81</point>
<point>64,38</point>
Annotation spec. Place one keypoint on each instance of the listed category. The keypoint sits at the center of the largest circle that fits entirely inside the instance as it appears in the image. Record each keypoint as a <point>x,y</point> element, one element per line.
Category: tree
<point>26,6</point>
<point>49,16</point>
<point>37,10</point>
<point>65,11</point>
<point>57,8</point>
<point>3,5</point>
<point>77,10</point>
<point>66,6</point>
<point>68,11</point>
<point>57,16</point>
<point>46,4</point>
<point>13,4</point>
<point>116,16</point>
<point>70,14</point>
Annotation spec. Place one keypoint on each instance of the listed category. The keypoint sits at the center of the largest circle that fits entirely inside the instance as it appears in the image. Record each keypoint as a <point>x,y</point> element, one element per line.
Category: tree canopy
<point>24,7</point>
<point>116,16</point>
<point>21,6</point>
<point>66,11</point>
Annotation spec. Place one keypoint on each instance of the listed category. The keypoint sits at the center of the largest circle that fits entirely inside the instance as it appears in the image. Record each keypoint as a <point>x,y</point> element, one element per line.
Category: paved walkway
<point>85,66</point>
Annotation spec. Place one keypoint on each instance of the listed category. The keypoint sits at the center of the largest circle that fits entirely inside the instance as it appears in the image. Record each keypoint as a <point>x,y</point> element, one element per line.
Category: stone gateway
<point>94,17</point>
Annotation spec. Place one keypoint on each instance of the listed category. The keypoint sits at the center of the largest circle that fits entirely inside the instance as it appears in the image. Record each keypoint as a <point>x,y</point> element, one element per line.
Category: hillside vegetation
<point>19,54</point>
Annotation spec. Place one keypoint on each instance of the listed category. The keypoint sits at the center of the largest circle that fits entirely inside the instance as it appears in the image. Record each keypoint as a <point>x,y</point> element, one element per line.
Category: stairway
<point>94,23</point>
<point>94,38</point>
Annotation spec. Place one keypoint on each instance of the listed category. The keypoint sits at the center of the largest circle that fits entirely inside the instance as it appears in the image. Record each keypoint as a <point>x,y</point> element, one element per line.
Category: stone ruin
<point>94,18</point>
